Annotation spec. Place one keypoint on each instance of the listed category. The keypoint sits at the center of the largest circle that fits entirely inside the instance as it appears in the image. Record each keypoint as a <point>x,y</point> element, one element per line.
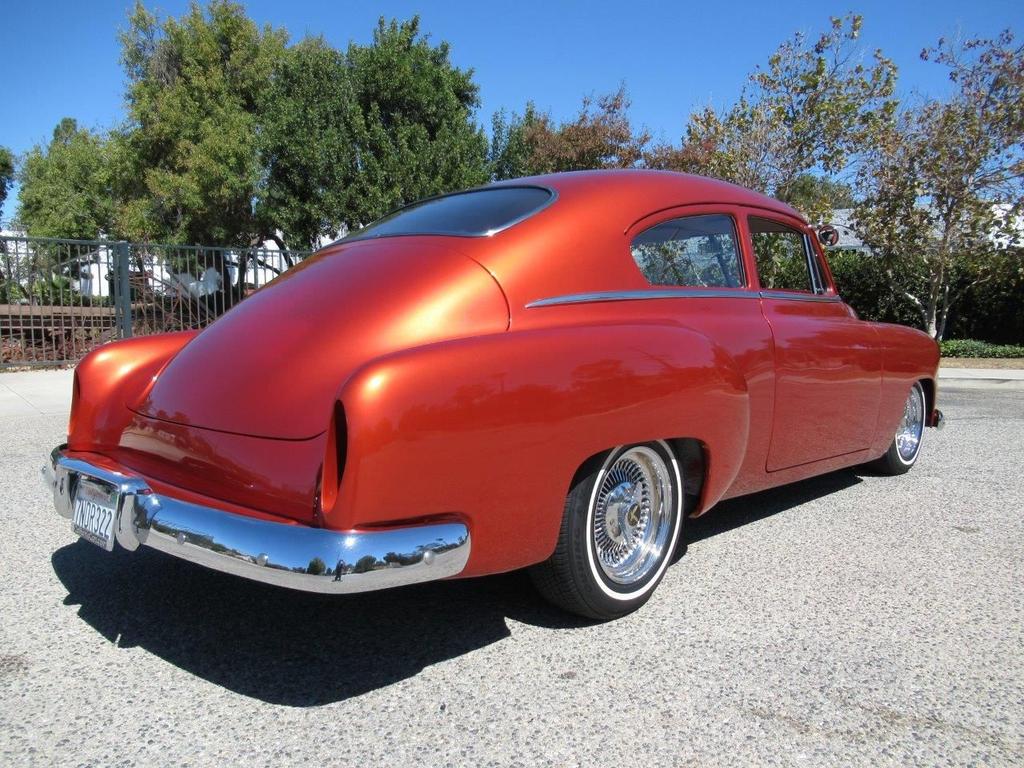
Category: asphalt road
<point>849,619</point>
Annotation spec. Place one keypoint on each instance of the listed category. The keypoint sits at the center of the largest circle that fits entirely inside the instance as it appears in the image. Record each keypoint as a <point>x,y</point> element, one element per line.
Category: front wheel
<point>622,520</point>
<point>906,444</point>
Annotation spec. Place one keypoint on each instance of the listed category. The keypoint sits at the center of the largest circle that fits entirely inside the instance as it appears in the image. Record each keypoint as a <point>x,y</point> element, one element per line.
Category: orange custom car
<point>552,372</point>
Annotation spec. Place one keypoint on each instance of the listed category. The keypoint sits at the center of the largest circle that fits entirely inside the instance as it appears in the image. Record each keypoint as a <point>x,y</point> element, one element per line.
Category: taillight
<point>74,405</point>
<point>334,459</point>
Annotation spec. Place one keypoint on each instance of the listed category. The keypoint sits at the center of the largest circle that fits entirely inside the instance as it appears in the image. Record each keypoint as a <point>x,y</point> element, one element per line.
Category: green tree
<point>234,137</point>
<point>305,147</point>
<point>813,109</point>
<point>6,175</point>
<point>188,161</point>
<point>365,564</point>
<point>411,124</point>
<point>66,185</point>
<point>509,154</point>
<point>816,196</point>
<point>943,188</point>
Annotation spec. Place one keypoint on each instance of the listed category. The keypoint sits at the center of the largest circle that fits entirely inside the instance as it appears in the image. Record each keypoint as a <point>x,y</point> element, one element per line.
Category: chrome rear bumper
<point>294,556</point>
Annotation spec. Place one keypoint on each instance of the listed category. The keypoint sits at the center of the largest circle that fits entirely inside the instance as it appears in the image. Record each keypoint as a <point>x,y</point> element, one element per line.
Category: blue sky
<point>61,58</point>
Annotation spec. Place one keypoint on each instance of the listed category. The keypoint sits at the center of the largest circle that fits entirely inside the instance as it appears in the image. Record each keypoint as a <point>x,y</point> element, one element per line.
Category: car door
<point>827,362</point>
<point>693,259</point>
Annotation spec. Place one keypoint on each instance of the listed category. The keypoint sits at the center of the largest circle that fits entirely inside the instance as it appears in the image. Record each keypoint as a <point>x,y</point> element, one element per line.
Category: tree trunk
<point>242,269</point>
<point>931,308</point>
<point>947,304</point>
<point>933,314</point>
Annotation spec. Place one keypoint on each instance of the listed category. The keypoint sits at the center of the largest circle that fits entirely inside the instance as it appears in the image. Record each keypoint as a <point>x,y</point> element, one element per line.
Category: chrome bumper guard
<point>293,556</point>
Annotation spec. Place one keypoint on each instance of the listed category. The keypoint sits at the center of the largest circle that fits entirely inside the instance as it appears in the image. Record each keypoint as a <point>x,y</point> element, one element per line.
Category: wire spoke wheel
<point>632,515</point>
<point>908,434</point>
<point>906,442</point>
<point>622,520</point>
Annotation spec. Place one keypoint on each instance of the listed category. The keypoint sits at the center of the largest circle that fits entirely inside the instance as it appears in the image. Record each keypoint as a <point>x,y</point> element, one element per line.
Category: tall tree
<point>943,189</point>
<point>188,161</point>
<point>65,186</point>
<point>814,107</point>
<point>305,147</point>
<point>411,124</point>
<point>6,175</point>
<point>509,154</point>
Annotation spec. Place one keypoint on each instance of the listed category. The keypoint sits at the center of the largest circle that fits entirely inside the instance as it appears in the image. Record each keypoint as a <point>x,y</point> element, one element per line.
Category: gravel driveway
<point>844,620</point>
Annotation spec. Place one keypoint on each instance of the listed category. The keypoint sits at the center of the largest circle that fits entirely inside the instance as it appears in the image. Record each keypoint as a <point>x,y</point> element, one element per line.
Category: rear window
<point>477,213</point>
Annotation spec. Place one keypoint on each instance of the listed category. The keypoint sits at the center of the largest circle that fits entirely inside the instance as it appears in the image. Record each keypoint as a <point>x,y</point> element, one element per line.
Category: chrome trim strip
<point>794,296</point>
<point>678,293</point>
<point>664,293</point>
<point>293,556</point>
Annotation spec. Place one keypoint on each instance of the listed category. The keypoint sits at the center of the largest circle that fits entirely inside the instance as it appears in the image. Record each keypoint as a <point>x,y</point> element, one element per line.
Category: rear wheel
<point>621,523</point>
<point>906,444</point>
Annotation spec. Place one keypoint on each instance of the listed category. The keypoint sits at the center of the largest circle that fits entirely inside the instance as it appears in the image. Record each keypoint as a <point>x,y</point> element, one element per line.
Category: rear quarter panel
<point>109,379</point>
<point>908,355</point>
<point>492,429</point>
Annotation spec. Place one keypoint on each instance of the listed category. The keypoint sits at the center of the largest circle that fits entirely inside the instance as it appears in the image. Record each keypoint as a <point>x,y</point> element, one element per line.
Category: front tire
<point>622,521</point>
<point>906,444</point>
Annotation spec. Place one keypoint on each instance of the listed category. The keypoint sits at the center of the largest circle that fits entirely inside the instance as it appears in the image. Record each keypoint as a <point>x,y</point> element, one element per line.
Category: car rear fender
<point>108,379</point>
<point>492,429</point>
<point>909,355</point>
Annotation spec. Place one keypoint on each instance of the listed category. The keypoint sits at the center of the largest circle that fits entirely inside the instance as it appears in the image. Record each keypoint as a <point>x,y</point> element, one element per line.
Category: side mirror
<point>828,235</point>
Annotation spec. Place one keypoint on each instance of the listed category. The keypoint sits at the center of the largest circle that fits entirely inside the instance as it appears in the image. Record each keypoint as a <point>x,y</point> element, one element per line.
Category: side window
<point>695,251</point>
<point>782,255</point>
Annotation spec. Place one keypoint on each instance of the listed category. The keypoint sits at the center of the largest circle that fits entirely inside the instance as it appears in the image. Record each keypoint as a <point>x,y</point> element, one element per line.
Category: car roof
<point>580,243</point>
<point>640,192</point>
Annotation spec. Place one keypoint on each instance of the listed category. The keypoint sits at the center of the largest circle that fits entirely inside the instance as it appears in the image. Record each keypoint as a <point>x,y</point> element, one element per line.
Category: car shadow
<point>302,650</point>
<point>743,510</point>
<point>285,647</point>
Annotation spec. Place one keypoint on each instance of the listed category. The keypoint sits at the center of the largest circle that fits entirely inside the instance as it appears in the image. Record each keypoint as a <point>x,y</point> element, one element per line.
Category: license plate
<point>95,510</point>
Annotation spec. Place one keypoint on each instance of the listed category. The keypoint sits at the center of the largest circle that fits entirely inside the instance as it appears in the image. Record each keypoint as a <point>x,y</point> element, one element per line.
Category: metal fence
<point>61,298</point>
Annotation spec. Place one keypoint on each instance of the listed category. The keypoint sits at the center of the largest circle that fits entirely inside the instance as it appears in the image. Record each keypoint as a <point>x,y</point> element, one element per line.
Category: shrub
<point>873,290</point>
<point>992,311</point>
<point>974,348</point>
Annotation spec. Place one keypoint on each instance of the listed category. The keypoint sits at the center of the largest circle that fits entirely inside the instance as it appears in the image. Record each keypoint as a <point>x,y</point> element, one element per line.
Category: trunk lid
<point>272,366</point>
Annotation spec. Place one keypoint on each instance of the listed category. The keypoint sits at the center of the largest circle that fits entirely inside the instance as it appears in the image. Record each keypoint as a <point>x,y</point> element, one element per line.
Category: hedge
<point>876,294</point>
<point>992,312</point>
<point>974,348</point>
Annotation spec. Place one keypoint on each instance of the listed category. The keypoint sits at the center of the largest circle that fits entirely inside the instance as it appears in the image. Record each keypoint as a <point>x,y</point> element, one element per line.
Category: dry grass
<point>982,362</point>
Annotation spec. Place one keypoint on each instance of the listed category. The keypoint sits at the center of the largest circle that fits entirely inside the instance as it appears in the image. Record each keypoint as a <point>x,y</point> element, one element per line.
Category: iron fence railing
<point>61,298</point>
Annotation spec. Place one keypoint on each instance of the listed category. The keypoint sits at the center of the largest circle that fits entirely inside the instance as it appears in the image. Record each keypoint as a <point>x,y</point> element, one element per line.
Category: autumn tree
<point>600,136</point>
<point>815,106</point>
<point>943,188</point>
